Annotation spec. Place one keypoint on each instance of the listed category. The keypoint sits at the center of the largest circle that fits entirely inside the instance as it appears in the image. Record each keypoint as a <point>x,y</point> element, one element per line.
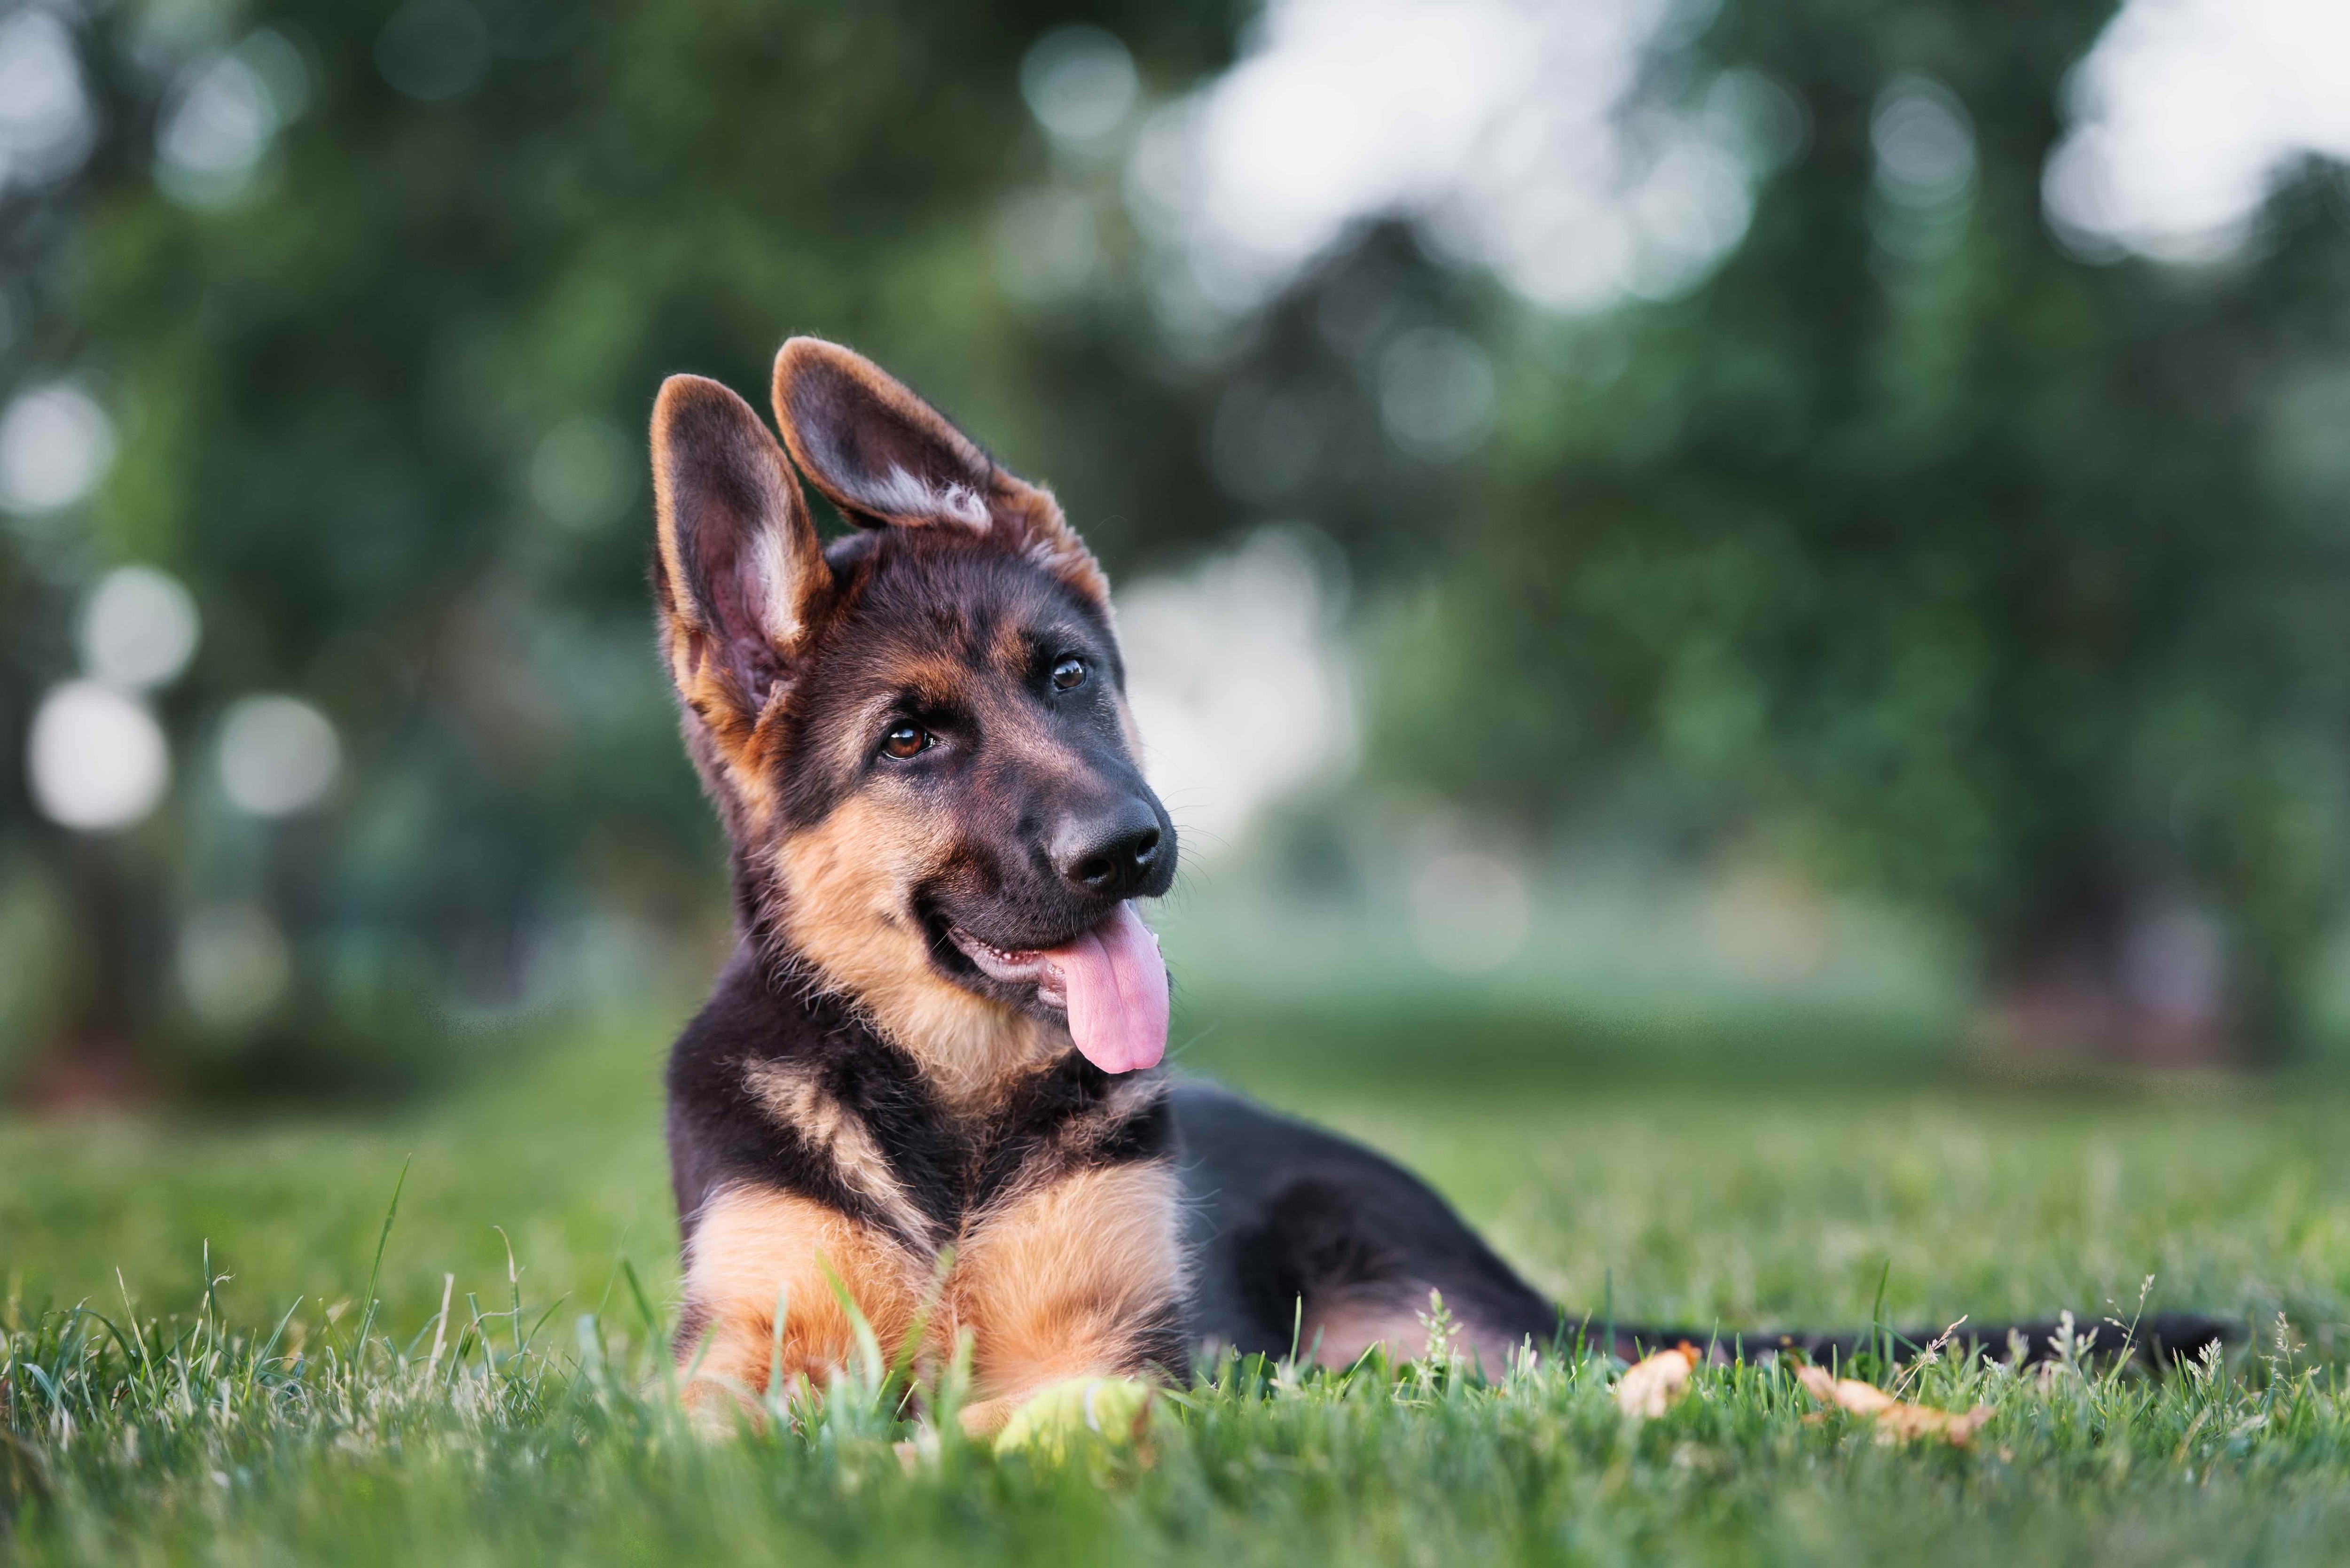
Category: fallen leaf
<point>1654,1382</point>
<point>1896,1421</point>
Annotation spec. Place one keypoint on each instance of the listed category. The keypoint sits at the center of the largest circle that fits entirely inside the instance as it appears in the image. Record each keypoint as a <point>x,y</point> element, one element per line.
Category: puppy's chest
<point>1063,1146</point>
<point>1048,1228</point>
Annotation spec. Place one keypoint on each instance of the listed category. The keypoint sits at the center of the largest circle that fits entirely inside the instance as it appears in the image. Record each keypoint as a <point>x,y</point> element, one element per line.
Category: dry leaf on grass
<point>1895,1420</point>
<point>1654,1381</point>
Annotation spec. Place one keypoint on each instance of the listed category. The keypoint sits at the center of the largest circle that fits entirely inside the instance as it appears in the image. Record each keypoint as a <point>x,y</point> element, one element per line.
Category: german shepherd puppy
<point>940,1034</point>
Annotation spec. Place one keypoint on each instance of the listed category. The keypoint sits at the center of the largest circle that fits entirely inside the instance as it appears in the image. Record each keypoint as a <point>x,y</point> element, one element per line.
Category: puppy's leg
<point>1309,1239</point>
<point>754,1249</point>
<point>1082,1279</point>
<point>1364,1254</point>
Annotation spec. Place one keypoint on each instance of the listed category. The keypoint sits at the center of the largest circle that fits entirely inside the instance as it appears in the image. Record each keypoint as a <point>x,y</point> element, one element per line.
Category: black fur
<point>1282,1217</point>
<point>1283,1214</point>
<point>951,1166</point>
<point>1281,1211</point>
<point>956,628</point>
<point>935,592</point>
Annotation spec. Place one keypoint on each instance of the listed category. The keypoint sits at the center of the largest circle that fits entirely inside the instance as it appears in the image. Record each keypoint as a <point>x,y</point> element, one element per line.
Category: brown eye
<point>906,741</point>
<point>1069,674</point>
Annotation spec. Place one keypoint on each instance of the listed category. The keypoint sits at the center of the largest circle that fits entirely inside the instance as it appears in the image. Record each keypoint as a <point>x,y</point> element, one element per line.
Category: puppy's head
<point>919,738</point>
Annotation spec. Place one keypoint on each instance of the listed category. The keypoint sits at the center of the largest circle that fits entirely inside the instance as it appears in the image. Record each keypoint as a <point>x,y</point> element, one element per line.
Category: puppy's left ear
<point>738,572</point>
<point>885,457</point>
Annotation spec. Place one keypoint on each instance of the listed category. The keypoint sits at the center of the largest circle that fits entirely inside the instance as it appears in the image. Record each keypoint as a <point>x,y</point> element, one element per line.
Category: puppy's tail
<point>2159,1339</point>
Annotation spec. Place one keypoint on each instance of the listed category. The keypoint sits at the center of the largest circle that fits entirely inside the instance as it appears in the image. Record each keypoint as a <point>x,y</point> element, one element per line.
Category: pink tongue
<point>1116,985</point>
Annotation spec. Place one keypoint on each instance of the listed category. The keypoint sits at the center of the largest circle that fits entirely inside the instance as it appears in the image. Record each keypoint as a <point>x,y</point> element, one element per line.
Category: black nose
<point>1113,854</point>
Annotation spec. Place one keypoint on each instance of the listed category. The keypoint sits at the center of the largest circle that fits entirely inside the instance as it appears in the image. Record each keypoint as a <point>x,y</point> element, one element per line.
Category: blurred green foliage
<point>1912,548</point>
<point>1932,558</point>
<point>381,408</point>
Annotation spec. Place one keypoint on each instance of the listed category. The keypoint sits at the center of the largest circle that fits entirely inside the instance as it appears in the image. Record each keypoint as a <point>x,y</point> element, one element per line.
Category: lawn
<point>1730,1192</point>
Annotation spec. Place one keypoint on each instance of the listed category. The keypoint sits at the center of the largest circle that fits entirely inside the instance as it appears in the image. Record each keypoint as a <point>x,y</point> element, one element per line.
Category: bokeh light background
<point>1641,527</point>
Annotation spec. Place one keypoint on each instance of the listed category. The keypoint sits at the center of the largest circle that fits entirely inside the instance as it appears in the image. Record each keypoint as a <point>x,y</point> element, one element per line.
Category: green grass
<point>188,1425</point>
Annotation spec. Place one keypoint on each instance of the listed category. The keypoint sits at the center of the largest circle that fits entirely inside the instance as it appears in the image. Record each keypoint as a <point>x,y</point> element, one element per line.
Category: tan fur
<point>797,1100</point>
<point>1052,544</point>
<point>740,731</point>
<point>1127,727</point>
<point>1072,1265</point>
<point>1076,1140</point>
<point>848,892</point>
<point>1051,1285</point>
<point>755,1246</point>
<point>849,880</point>
<point>1054,1282</point>
<point>1019,733</point>
<point>1339,1332</point>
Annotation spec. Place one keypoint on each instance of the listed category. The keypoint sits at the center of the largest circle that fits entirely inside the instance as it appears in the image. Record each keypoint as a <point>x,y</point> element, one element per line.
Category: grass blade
<point>375,1271</point>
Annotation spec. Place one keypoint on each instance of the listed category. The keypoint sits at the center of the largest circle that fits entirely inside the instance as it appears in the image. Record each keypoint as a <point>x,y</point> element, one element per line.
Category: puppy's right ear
<point>739,572</point>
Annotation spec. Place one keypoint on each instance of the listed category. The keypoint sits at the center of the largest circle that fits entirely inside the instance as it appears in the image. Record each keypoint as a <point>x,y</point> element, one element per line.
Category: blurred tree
<point>2012,584</point>
<point>2008,583</point>
<point>377,298</point>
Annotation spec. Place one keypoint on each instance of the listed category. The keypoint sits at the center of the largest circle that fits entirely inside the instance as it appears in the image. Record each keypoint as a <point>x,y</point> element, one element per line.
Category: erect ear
<point>884,456</point>
<point>739,572</point>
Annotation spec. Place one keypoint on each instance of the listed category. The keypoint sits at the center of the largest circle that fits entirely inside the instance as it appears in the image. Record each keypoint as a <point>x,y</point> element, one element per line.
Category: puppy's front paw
<point>1109,1410</point>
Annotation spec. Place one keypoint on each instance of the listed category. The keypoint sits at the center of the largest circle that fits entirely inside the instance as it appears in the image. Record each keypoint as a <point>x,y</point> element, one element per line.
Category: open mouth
<point>1110,980</point>
<point>1024,968</point>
